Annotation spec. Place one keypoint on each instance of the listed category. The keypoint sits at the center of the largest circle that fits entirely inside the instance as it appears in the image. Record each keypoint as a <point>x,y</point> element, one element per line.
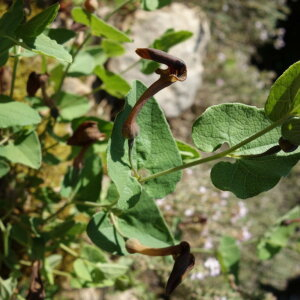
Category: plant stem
<point>5,140</point>
<point>57,212</point>
<point>117,9</point>
<point>13,79</point>
<point>130,66</point>
<point>68,249</point>
<point>202,250</point>
<point>70,64</point>
<point>98,88</point>
<point>60,273</point>
<point>88,203</point>
<point>218,155</point>
<point>115,224</point>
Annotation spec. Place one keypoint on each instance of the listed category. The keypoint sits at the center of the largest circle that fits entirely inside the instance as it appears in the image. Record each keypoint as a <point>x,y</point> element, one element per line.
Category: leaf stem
<point>73,58</point>
<point>218,155</point>
<point>13,79</point>
<point>117,9</point>
<point>95,90</point>
<point>130,66</point>
<point>115,224</point>
<point>68,249</point>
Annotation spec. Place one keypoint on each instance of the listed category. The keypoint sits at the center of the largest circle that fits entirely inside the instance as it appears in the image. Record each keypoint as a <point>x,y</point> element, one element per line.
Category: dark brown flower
<point>86,134</point>
<point>176,71</point>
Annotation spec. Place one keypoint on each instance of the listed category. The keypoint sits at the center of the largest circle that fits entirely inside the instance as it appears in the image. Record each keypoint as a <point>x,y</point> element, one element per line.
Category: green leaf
<point>148,67</point>
<point>42,44</point>
<point>112,271</point>
<point>284,97</point>
<point>4,168</point>
<point>5,44</point>
<point>187,151</point>
<point>102,233</point>
<point>85,184</point>
<point>7,287</point>
<point>112,83</point>
<point>17,114</point>
<point>71,106</point>
<point>83,269</point>
<point>112,48</point>
<point>155,150</point>
<point>36,25</point>
<point>83,64</point>
<point>171,38</point>
<point>90,179</point>
<point>50,263</point>
<point>92,254</point>
<point>25,150</point>
<point>290,130</point>
<point>12,19</point>
<point>249,177</point>
<point>143,222</point>
<point>154,4</point>
<point>232,123</point>
<point>3,58</point>
<point>98,26</point>
<point>278,235</point>
<point>60,35</point>
<point>229,255</point>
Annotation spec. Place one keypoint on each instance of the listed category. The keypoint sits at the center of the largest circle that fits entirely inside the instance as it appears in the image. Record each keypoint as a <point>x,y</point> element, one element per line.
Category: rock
<point>146,27</point>
<point>76,86</point>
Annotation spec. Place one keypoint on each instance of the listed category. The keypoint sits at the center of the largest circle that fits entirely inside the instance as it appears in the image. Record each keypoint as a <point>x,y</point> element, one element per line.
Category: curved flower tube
<point>176,71</point>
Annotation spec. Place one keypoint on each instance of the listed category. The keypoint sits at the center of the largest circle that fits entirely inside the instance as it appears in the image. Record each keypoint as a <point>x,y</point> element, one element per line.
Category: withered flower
<point>184,263</point>
<point>90,5</point>
<point>286,146</point>
<point>85,135</point>
<point>36,290</point>
<point>184,260</point>
<point>33,84</point>
<point>176,71</point>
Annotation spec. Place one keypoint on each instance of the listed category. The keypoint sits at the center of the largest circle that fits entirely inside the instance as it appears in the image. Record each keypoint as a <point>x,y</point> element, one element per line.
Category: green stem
<point>68,249</point>
<point>60,273</point>
<point>88,203</point>
<point>57,212</point>
<point>95,90</point>
<point>218,155</point>
<point>202,250</point>
<point>115,224</point>
<point>70,64</point>
<point>130,67</point>
<point>16,61</point>
<point>117,9</point>
<point>5,140</point>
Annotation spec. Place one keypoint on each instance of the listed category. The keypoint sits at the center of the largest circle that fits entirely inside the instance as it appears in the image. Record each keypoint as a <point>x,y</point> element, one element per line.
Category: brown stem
<point>134,246</point>
<point>288,222</point>
<point>130,128</point>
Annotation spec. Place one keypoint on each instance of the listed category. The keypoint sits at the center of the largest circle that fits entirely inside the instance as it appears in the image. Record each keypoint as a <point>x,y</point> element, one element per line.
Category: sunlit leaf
<point>284,97</point>
<point>98,26</point>
<point>25,150</point>
<point>17,114</point>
